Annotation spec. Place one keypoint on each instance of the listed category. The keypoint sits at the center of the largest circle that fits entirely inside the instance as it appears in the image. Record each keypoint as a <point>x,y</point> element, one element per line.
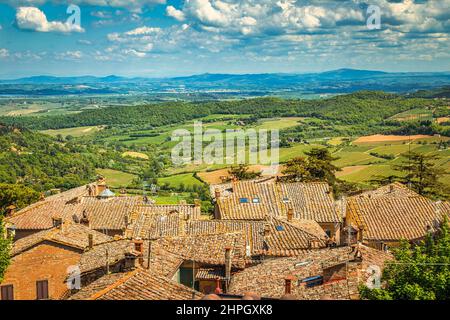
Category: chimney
<point>361,233</point>
<point>90,241</point>
<point>266,230</point>
<point>139,248</point>
<point>391,188</point>
<point>218,290</point>
<point>130,261</point>
<point>197,203</point>
<point>84,219</point>
<point>217,193</point>
<point>288,284</point>
<point>57,222</point>
<point>228,263</point>
<point>290,214</point>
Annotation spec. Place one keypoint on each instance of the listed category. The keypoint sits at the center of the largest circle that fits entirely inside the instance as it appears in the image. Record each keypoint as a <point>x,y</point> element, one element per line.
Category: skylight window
<point>279,228</point>
<point>286,200</point>
<point>255,200</point>
<point>243,200</point>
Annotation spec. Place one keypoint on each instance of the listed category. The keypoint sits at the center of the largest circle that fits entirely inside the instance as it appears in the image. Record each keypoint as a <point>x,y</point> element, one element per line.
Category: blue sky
<point>158,38</point>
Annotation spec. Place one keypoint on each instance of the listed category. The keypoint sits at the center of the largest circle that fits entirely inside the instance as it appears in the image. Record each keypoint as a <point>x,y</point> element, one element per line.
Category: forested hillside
<point>41,162</point>
<point>357,108</point>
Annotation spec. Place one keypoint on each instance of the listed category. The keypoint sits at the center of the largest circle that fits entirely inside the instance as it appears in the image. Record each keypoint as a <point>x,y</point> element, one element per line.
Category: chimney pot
<point>228,263</point>
<point>130,261</point>
<point>288,284</point>
<point>290,214</point>
<point>90,241</point>
<point>57,222</point>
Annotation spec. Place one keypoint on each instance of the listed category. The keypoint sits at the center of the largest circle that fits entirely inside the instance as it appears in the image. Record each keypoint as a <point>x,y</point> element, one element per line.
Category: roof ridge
<point>119,282</point>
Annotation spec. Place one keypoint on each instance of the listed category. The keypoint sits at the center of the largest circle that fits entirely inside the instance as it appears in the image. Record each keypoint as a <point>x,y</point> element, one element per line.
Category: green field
<point>74,132</point>
<point>175,181</point>
<point>115,178</point>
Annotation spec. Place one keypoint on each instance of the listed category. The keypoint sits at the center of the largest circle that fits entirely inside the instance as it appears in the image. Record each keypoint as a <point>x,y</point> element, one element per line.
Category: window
<point>279,228</point>
<point>255,200</point>
<point>243,200</point>
<point>7,292</point>
<point>42,289</point>
<point>328,233</point>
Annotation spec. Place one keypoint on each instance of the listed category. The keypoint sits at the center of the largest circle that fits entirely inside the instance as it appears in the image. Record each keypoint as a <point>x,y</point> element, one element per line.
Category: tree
<point>297,169</point>
<point>5,247</point>
<point>17,195</point>
<point>320,165</point>
<point>421,174</point>
<point>317,166</point>
<point>242,172</point>
<point>420,272</point>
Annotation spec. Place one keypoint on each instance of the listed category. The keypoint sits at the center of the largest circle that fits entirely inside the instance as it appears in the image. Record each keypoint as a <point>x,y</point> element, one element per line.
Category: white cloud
<point>174,13</point>
<point>132,5</point>
<point>85,42</point>
<point>4,53</point>
<point>69,55</point>
<point>31,18</point>
<point>134,53</point>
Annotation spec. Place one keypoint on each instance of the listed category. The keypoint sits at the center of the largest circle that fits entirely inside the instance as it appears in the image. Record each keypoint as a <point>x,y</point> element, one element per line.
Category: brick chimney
<point>361,233</point>
<point>228,263</point>
<point>130,261</point>
<point>57,222</point>
<point>217,193</point>
<point>391,188</point>
<point>139,248</point>
<point>290,214</point>
<point>288,284</point>
<point>90,241</point>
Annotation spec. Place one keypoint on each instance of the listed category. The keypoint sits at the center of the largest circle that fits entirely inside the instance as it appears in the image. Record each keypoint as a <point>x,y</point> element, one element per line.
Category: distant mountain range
<point>336,81</point>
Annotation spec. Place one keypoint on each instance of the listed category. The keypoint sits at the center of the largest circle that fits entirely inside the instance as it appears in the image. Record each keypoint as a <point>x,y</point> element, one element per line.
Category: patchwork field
<point>176,181</point>
<point>74,132</point>
<point>115,178</point>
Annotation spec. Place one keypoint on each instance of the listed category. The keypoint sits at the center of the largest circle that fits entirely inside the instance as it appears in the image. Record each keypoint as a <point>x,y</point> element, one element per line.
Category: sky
<point>165,38</point>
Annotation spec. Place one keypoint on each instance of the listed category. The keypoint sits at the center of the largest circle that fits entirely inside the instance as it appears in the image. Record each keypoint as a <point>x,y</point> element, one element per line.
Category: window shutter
<point>42,289</point>
<point>7,292</point>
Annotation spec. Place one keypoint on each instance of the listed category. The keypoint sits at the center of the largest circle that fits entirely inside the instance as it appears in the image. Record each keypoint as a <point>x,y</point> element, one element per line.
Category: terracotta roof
<point>393,190</point>
<point>311,201</point>
<point>160,220</point>
<point>284,238</point>
<point>387,218</point>
<point>102,213</point>
<point>207,249</point>
<point>73,235</point>
<point>287,239</point>
<point>268,278</point>
<point>99,285</point>
<point>255,200</point>
<point>210,274</point>
<point>108,213</point>
<point>136,285</point>
<point>111,252</point>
